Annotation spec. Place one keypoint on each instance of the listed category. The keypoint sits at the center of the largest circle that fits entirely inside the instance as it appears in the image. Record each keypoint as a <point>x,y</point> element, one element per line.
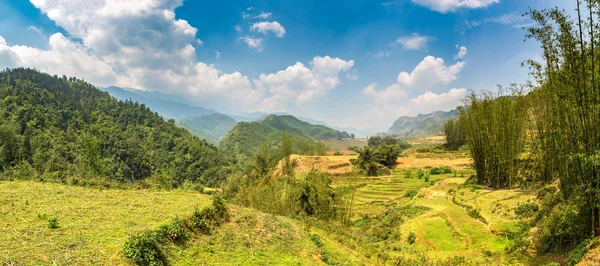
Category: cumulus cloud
<point>254,43</point>
<point>265,27</point>
<point>428,73</point>
<point>445,6</point>
<point>462,52</point>
<point>414,42</point>
<point>140,44</point>
<point>388,104</point>
<point>299,84</point>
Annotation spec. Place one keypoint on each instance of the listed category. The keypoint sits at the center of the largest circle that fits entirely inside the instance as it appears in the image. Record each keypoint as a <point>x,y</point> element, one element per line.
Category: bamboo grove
<point>551,134</point>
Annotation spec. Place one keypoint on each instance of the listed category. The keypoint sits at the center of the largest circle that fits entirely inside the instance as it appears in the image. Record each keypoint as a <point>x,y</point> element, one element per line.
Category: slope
<point>423,124</point>
<point>167,108</point>
<point>66,130</point>
<point>213,127</point>
<point>246,138</point>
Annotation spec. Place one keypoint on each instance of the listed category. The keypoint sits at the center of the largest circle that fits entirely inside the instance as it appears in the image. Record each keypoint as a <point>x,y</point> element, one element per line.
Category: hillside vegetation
<point>245,139</point>
<point>66,130</point>
<point>213,127</point>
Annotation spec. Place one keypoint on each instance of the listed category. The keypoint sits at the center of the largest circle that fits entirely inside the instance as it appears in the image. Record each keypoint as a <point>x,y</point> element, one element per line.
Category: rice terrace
<point>172,132</point>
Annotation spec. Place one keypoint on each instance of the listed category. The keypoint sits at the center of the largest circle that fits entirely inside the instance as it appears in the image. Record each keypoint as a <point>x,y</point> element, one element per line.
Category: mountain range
<point>423,124</point>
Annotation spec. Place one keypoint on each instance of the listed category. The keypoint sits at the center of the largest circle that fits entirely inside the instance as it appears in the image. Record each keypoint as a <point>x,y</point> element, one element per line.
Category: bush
<point>420,173</point>
<point>579,252</point>
<point>440,170</point>
<point>412,238</point>
<point>53,222</point>
<point>175,231</point>
<point>408,174</point>
<point>204,220</point>
<point>526,210</point>
<point>410,193</point>
<point>144,249</point>
<point>426,178</point>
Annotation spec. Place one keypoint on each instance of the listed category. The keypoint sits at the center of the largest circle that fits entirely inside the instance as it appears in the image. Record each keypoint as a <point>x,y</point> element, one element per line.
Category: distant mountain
<point>423,124</point>
<point>161,103</point>
<point>246,138</point>
<point>213,127</point>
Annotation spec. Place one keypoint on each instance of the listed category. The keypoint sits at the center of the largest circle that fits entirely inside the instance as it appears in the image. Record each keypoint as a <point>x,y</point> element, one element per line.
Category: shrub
<point>440,170</point>
<point>175,231</point>
<point>412,238</point>
<point>410,193</point>
<point>526,210</point>
<point>420,173</point>
<point>338,153</point>
<point>221,212</point>
<point>408,174</point>
<point>144,249</point>
<point>52,222</point>
<point>426,178</point>
<point>579,252</point>
<point>204,220</point>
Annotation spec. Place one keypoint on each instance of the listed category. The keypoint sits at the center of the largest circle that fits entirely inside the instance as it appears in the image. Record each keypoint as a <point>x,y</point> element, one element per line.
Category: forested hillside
<point>213,127</point>
<point>245,139</point>
<point>64,129</point>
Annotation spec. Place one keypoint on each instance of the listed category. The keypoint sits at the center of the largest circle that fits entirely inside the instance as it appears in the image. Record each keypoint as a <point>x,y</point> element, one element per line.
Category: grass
<point>93,224</point>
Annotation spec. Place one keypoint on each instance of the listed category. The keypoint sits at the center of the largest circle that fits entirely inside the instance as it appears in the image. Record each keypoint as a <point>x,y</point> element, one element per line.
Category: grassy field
<point>93,224</point>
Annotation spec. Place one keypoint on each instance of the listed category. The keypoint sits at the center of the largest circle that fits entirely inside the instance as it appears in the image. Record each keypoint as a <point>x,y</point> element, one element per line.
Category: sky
<point>350,63</point>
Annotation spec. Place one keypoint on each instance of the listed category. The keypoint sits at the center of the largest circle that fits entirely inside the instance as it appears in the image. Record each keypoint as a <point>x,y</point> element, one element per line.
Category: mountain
<point>246,138</point>
<point>64,129</point>
<point>161,103</point>
<point>423,124</point>
<point>213,127</point>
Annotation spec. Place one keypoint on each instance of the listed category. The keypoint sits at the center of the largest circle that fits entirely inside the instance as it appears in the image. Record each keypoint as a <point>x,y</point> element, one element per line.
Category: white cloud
<point>140,44</point>
<point>245,15</point>
<point>430,72</point>
<point>445,6</point>
<point>265,26</point>
<point>462,52</point>
<point>255,43</point>
<point>512,19</point>
<point>387,105</point>
<point>237,28</point>
<point>414,42</point>
<point>264,15</point>
<point>299,84</point>
<point>382,54</point>
<point>218,55</point>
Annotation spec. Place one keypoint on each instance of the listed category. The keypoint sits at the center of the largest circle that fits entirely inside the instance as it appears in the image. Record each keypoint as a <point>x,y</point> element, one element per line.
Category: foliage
<point>377,141</point>
<point>367,162</point>
<point>494,126</point>
<point>526,210</point>
<point>150,247</point>
<point>564,119</point>
<point>412,238</point>
<point>245,138</point>
<point>53,222</point>
<point>454,135</point>
<point>442,170</point>
<point>579,252</point>
<point>59,128</point>
<point>212,127</point>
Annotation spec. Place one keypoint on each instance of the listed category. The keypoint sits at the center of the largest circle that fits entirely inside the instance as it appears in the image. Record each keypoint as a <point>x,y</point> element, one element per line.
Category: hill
<point>213,127</point>
<point>423,124</point>
<point>160,103</point>
<point>246,138</point>
<point>64,129</point>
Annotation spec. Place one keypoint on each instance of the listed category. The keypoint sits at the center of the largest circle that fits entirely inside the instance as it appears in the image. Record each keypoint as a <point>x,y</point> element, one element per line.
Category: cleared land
<point>93,224</point>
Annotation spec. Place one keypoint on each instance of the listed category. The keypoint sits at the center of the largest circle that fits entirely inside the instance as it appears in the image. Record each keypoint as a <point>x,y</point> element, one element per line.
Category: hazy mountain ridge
<point>422,124</point>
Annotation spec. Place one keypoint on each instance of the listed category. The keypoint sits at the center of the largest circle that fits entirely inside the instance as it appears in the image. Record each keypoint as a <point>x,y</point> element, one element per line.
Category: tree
<point>454,135</point>
<point>366,162</point>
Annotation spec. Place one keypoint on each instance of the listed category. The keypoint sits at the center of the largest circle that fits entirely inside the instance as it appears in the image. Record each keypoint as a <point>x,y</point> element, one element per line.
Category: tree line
<point>550,132</point>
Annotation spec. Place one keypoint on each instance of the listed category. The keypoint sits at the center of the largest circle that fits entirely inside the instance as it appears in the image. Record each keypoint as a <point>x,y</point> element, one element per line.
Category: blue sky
<point>337,61</point>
